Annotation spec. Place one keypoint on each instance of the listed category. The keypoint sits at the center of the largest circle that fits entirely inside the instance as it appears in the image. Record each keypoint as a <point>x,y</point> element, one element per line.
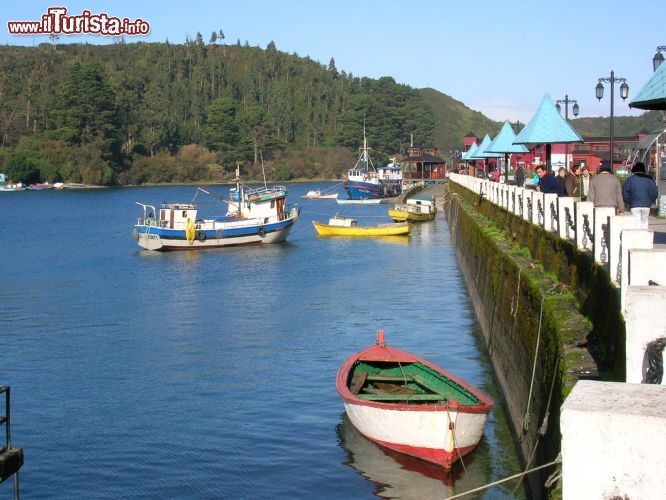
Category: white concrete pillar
<point>613,441</point>
<point>585,225</point>
<point>645,318</point>
<point>507,193</point>
<point>527,204</point>
<point>566,218</point>
<point>550,212</point>
<point>537,208</point>
<point>647,266</point>
<point>601,233</point>
<point>519,208</point>
<point>631,239</point>
<point>618,223</point>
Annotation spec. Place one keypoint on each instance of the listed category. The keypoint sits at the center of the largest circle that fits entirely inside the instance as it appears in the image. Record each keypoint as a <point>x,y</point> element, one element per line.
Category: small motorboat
<point>416,209</point>
<point>347,226</point>
<point>410,405</point>
<point>316,194</point>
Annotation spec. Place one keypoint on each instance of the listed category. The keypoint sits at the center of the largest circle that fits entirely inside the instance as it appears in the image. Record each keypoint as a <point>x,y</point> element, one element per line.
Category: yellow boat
<point>345,226</point>
<point>417,209</point>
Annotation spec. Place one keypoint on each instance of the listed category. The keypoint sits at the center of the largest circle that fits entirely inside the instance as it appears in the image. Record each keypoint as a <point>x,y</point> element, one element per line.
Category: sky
<point>497,57</point>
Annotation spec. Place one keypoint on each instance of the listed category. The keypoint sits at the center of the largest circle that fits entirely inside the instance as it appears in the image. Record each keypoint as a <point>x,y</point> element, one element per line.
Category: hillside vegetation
<point>160,112</point>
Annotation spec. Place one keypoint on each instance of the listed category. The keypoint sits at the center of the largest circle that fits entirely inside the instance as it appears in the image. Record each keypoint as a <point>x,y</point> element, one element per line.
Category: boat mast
<point>261,156</point>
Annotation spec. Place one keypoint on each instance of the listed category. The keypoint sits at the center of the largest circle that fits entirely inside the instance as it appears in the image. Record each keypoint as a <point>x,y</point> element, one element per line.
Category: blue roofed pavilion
<point>653,94</point>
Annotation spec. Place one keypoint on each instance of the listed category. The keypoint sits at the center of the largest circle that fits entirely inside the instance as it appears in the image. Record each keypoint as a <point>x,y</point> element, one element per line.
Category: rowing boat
<point>410,405</point>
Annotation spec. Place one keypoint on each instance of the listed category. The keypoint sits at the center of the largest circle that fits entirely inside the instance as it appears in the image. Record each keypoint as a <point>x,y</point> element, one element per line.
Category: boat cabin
<point>176,215</point>
<point>342,221</point>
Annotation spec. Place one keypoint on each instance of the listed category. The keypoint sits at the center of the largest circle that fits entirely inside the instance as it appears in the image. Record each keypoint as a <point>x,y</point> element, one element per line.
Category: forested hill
<point>160,112</point>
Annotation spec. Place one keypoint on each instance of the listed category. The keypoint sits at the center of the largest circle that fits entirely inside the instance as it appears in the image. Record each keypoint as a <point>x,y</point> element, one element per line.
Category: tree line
<point>130,114</point>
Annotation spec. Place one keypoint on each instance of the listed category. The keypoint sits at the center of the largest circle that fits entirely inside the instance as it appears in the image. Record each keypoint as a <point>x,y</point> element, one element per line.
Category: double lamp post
<point>624,93</point>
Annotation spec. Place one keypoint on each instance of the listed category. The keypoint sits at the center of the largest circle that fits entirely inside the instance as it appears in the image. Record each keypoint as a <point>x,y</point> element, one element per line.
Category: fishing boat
<point>410,405</point>
<point>255,216</point>
<point>365,182</point>
<point>346,226</point>
<point>415,209</point>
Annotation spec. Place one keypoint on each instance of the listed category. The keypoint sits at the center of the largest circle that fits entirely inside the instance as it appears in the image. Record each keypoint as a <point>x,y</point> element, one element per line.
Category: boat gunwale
<point>377,353</point>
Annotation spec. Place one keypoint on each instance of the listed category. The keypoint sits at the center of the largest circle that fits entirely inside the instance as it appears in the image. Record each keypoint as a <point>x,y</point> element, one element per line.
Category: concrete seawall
<point>548,314</point>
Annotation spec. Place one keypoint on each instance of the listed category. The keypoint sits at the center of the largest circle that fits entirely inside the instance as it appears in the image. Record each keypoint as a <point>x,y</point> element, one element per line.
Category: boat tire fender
<point>201,236</point>
<point>262,232</point>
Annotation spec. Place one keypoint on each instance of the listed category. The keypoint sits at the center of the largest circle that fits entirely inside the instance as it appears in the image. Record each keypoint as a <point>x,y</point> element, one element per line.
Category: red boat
<point>412,406</point>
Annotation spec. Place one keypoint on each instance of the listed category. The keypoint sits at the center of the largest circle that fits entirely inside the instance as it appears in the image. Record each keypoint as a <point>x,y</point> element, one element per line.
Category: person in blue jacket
<point>640,192</point>
<point>548,183</point>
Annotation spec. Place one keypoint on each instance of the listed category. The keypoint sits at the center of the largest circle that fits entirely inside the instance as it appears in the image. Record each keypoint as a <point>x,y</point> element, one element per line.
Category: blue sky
<point>497,57</point>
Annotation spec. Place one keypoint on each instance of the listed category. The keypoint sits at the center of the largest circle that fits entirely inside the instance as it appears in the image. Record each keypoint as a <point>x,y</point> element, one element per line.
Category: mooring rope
<point>557,460</point>
<point>544,425</point>
<point>455,441</point>
<point>526,417</point>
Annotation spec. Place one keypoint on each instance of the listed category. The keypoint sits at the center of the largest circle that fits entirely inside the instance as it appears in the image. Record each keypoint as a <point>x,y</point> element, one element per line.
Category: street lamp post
<point>624,93</point>
<point>658,57</point>
<point>574,109</point>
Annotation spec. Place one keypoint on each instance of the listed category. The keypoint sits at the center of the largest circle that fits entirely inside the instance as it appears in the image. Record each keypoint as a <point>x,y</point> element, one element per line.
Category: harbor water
<point>138,374</point>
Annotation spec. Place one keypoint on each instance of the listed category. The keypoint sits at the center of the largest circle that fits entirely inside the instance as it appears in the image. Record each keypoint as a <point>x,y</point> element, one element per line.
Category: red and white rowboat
<point>412,406</point>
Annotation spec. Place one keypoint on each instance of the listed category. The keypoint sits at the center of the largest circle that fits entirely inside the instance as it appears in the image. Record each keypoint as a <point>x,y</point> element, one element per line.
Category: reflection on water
<point>400,476</point>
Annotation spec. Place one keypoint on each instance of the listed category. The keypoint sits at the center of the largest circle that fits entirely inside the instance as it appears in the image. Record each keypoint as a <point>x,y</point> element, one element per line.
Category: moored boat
<point>316,194</point>
<point>415,209</point>
<point>410,405</point>
<point>347,226</point>
<point>365,182</point>
<point>255,216</point>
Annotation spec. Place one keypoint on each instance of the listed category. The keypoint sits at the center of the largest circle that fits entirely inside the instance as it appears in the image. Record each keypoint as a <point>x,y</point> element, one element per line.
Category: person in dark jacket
<point>548,183</point>
<point>519,176</point>
<point>640,192</point>
<point>572,182</point>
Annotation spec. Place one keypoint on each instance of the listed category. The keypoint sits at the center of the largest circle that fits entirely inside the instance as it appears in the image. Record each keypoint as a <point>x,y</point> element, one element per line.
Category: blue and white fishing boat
<point>365,182</point>
<point>255,216</point>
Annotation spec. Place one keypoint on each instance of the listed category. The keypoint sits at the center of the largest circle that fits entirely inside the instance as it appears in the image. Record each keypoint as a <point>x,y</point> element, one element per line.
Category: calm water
<point>212,374</point>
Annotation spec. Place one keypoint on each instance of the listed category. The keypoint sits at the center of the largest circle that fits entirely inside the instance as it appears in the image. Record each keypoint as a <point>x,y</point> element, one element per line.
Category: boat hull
<point>241,234</point>
<point>404,215</point>
<point>359,190</point>
<point>439,425</point>
<point>318,195</point>
<point>396,229</point>
<point>424,435</point>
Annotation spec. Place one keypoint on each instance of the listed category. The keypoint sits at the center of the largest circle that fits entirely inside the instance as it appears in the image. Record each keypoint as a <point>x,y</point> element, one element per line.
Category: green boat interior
<point>412,383</point>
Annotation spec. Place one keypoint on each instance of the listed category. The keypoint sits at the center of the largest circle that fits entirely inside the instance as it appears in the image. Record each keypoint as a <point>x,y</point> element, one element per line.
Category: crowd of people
<point>639,192</point>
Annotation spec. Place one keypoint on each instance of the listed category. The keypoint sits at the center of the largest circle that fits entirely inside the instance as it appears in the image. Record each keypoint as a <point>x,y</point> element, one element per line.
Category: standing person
<point>605,189</point>
<point>640,192</point>
<point>562,179</point>
<point>519,176</point>
<point>585,182</point>
<point>548,183</point>
<point>572,182</point>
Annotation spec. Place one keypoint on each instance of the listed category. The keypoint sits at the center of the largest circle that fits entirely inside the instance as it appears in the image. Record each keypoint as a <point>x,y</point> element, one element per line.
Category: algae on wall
<point>546,314</point>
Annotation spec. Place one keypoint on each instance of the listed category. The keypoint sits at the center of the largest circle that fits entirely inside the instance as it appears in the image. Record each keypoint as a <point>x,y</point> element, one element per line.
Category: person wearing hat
<point>640,192</point>
<point>605,189</point>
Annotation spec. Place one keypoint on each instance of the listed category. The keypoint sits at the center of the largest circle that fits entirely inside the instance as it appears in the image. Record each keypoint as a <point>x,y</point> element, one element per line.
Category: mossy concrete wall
<point>549,315</point>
